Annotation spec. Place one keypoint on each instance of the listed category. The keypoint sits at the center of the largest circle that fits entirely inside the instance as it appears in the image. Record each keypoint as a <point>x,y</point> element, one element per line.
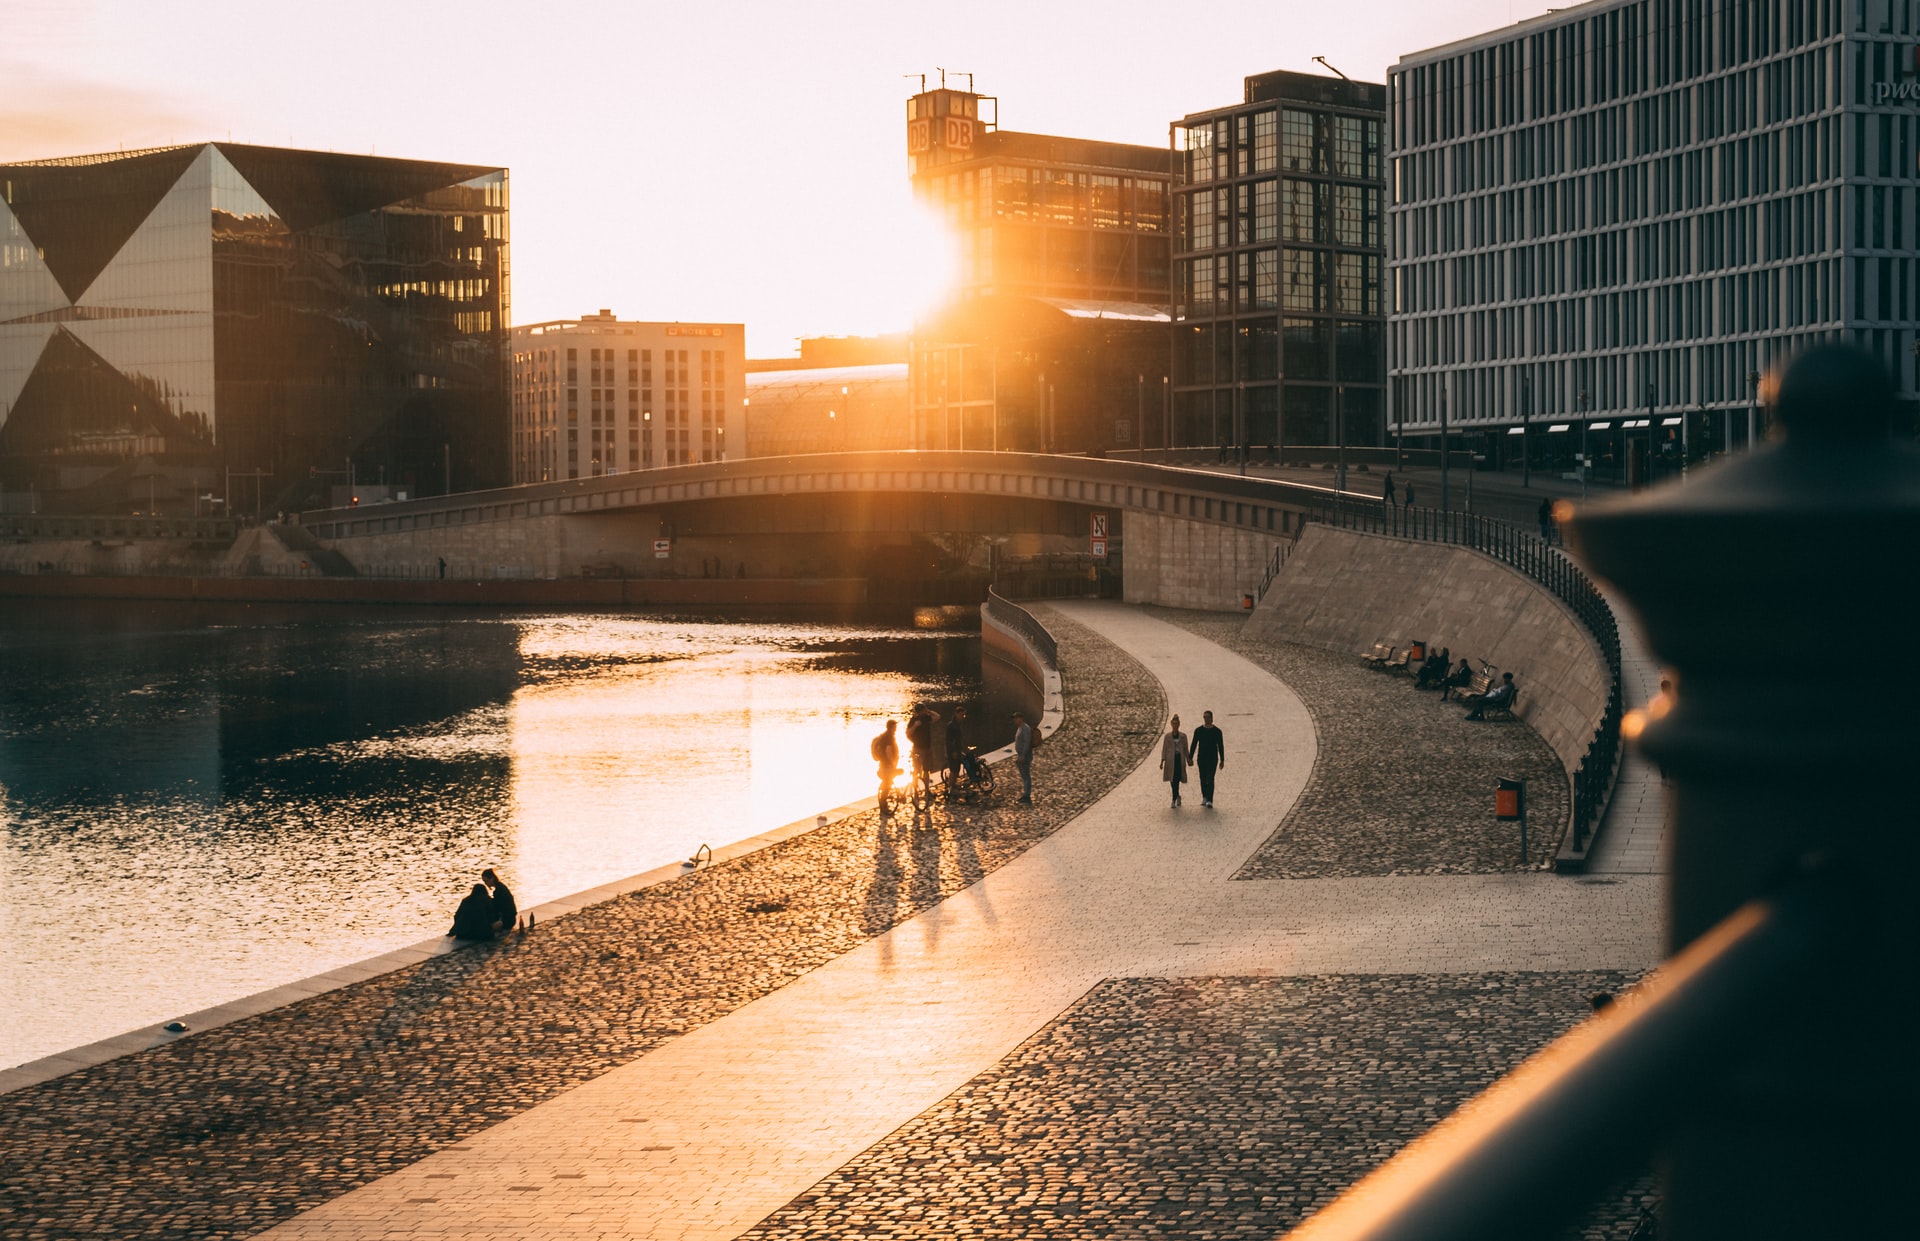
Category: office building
<point>1060,306</point>
<point>187,321</point>
<point>600,395</point>
<point>1279,324</point>
<point>1608,222</point>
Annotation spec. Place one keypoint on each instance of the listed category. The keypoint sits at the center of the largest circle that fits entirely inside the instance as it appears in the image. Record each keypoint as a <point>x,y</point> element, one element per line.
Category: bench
<point>1379,655</point>
<point>1400,662</point>
<point>1505,712</point>
<point>1482,682</point>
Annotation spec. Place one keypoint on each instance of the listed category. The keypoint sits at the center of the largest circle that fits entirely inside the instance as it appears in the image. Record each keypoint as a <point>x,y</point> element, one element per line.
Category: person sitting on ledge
<point>1434,671</point>
<point>505,912</point>
<point>474,918</point>
<point>1500,695</point>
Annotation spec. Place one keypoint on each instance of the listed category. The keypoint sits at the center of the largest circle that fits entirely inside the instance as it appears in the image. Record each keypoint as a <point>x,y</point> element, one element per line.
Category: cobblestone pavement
<point>1403,784</point>
<point>1198,1107</point>
<point>227,1132</point>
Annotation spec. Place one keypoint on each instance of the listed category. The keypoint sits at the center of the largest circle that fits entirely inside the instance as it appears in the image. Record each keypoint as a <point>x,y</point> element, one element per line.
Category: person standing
<point>956,745</point>
<point>505,912</point>
<point>1406,498</point>
<point>1389,496</point>
<point>920,757</point>
<point>1209,755</point>
<point>886,756</point>
<point>1176,754</point>
<point>1546,520</point>
<point>1023,756</point>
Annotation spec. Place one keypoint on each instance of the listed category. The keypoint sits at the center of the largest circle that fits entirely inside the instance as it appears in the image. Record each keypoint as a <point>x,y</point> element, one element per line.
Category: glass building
<point>220,323</point>
<point>1279,328</point>
<point>1056,330</point>
<point>1610,221</point>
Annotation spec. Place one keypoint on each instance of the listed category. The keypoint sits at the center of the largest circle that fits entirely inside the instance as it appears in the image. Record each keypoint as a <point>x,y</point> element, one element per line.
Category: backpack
<point>878,748</point>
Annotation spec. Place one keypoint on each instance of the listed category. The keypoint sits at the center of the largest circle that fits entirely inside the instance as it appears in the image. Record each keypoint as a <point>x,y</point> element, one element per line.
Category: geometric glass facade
<point>1279,333</point>
<point>1625,212</point>
<point>224,318</point>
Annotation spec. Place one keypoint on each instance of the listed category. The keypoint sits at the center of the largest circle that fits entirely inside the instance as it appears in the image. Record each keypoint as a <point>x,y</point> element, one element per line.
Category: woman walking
<point>1176,754</point>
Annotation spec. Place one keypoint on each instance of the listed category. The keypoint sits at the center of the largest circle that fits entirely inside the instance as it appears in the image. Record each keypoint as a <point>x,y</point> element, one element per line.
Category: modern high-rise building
<point>600,395</point>
<point>1058,321</point>
<point>1610,221</point>
<point>1279,324</point>
<point>195,321</point>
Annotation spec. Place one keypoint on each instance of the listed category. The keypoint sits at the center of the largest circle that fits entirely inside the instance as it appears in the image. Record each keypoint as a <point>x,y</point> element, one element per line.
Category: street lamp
<point>1340,436</point>
<point>1753,410</point>
<point>1586,455</point>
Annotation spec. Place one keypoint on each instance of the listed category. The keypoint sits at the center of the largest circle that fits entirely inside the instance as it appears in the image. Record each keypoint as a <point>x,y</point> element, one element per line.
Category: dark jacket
<point>474,918</point>
<point>1209,746</point>
<point>505,912</point>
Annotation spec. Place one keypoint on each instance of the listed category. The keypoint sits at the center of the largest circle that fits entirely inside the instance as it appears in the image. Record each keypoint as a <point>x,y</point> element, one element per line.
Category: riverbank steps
<point>227,1132</point>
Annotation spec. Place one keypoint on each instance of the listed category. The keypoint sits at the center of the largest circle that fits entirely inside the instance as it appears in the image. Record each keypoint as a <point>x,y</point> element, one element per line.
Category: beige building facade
<point>600,395</point>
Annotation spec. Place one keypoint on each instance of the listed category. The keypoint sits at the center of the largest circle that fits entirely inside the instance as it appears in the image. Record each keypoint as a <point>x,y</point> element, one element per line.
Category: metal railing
<point>1009,615</point>
<point>56,526</point>
<point>1546,1140</point>
<point>1523,550</point>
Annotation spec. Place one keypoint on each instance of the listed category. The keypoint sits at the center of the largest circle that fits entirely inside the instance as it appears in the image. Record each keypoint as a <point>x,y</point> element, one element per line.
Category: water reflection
<point>196,804</point>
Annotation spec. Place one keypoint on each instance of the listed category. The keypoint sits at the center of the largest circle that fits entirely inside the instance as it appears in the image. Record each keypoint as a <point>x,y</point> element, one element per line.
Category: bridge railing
<point>1521,549</point>
<point>1007,614</point>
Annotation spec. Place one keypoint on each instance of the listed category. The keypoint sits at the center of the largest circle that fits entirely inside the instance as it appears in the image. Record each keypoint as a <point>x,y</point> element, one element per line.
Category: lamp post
<point>1340,436</point>
<point>1753,410</point>
<point>1166,419</point>
<point>1586,453</point>
<point>1526,431</point>
<point>1239,424</point>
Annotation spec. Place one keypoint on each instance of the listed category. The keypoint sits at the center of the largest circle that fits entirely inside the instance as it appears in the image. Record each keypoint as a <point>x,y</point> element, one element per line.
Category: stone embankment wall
<point>1180,563</point>
<point>1343,591</point>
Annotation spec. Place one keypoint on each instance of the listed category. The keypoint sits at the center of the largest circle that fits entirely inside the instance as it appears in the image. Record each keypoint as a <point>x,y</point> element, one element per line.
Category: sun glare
<point>928,264</point>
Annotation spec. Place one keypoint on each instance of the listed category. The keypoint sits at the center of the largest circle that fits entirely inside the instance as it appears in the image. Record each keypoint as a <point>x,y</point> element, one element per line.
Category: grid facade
<point>1625,212</point>
<point>596,396</point>
<point>1279,322</point>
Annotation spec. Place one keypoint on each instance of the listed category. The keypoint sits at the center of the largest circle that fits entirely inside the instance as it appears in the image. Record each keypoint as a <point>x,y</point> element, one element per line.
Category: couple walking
<point>1207,750</point>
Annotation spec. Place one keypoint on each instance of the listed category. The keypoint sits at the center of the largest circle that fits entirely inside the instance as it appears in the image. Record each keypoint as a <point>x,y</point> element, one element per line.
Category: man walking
<point>956,745</point>
<point>1023,756</point>
<point>1209,754</point>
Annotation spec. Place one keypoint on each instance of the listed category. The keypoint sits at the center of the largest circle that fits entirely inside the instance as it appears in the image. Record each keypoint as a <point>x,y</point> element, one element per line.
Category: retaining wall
<point>1180,563</point>
<point>1341,590</point>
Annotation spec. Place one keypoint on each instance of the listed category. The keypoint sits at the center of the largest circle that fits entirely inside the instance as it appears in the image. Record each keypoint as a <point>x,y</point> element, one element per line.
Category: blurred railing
<point>1527,552</point>
<point>47,526</point>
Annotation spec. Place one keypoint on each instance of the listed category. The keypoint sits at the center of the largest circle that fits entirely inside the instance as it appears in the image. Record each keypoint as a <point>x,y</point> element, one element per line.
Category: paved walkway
<point>1633,835</point>
<point>710,1133</point>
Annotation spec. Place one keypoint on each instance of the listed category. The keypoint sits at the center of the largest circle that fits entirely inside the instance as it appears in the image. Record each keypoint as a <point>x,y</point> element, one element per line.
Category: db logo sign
<point>959,134</point>
<point>919,136</point>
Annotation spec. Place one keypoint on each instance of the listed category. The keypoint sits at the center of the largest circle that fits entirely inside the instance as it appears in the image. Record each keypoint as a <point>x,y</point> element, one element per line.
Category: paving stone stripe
<point>229,1131</point>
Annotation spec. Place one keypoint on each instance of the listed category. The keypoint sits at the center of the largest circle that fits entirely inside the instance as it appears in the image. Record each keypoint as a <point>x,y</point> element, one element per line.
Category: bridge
<point>1181,537</point>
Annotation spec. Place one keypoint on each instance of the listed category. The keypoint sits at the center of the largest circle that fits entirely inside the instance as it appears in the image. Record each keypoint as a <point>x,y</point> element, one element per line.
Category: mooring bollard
<point>1780,587</point>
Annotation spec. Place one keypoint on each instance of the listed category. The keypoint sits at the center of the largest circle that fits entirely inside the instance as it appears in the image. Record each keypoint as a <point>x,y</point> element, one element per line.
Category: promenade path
<point>715,1131</point>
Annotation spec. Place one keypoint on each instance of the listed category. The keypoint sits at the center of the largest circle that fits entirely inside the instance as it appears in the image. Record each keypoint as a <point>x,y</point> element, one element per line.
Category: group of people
<point>1437,672</point>
<point>1387,493</point>
<point>486,911</point>
<point>1205,751</point>
<point>885,750</point>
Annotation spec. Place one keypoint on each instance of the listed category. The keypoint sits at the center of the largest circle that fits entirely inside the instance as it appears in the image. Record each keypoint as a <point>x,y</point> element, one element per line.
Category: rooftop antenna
<point>921,76</point>
<point>969,82</point>
<point>1322,60</point>
<point>943,77</point>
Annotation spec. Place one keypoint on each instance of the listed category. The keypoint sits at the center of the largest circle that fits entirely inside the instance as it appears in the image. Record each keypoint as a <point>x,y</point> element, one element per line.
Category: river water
<point>200,803</point>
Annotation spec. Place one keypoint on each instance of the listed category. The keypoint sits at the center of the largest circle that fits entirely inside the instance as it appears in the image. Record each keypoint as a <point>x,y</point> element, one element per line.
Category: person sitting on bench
<point>1500,695</point>
<point>1434,670</point>
<point>1459,678</point>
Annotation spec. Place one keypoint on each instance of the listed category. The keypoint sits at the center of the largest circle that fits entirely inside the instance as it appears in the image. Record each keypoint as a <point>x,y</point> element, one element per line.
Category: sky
<point>715,160</point>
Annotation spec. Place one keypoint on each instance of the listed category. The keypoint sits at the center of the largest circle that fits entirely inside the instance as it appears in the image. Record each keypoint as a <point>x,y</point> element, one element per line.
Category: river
<point>200,803</point>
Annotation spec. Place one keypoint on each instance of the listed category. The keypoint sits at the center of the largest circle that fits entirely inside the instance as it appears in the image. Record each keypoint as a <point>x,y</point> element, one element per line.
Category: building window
<point>1265,141</point>
<point>1266,279</point>
<point>1300,210</point>
<point>1296,142</point>
<point>1266,199</point>
<point>1349,147</point>
<point>1299,283</point>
